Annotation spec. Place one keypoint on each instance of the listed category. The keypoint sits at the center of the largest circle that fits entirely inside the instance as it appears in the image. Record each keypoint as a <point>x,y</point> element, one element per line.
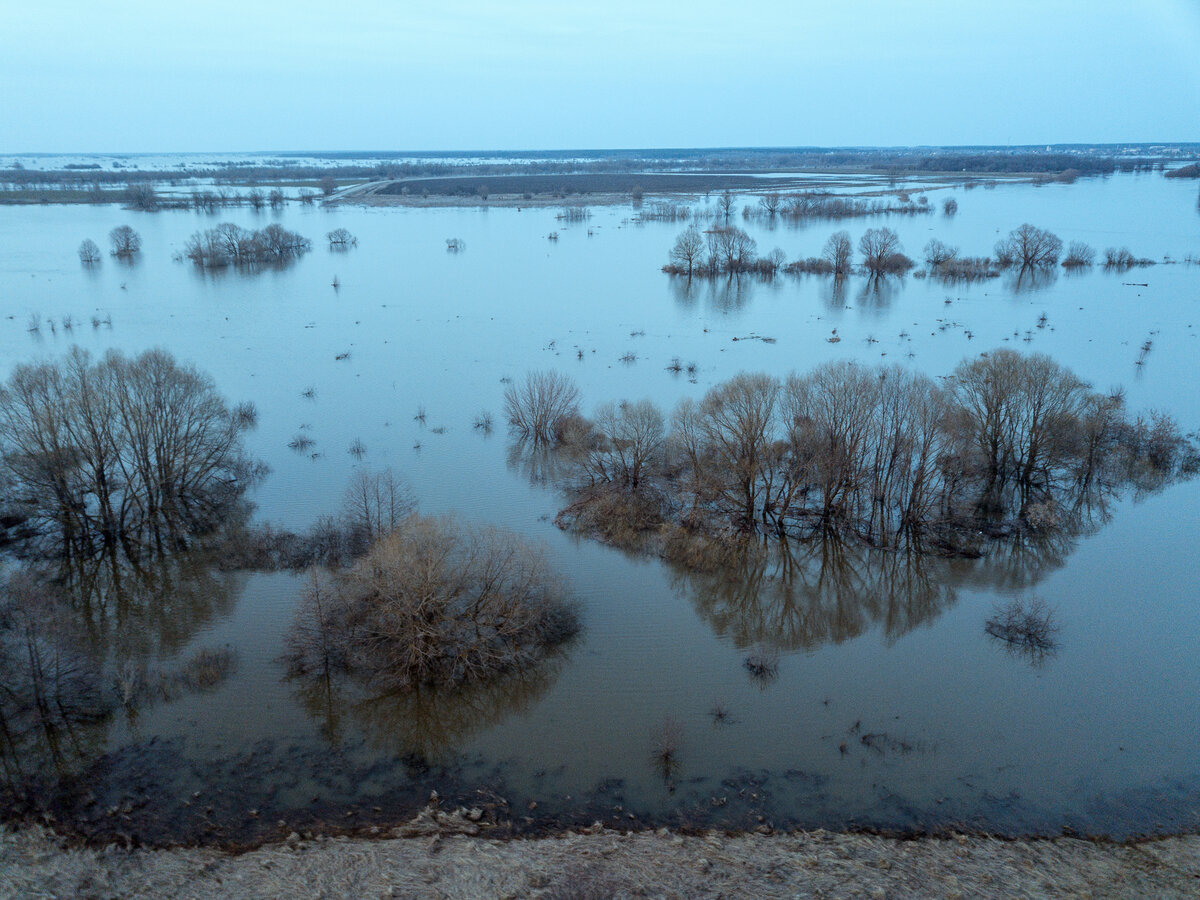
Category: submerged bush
<point>541,406</point>
<point>1079,255</point>
<point>435,602</point>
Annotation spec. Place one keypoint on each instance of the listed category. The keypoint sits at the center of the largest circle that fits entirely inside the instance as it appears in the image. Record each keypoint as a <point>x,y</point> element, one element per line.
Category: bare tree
<point>328,185</point>
<point>340,237</point>
<point>89,252</point>
<point>142,197</point>
<point>141,453</point>
<point>725,438</point>
<point>276,198</point>
<point>725,205</point>
<point>376,503</point>
<point>770,203</point>
<point>839,252</point>
<point>937,254</point>
<point>688,251</point>
<point>125,241</point>
<point>539,406</point>
<point>1030,248</point>
<point>881,252</point>
<point>950,207</point>
<point>730,249</point>
<point>627,439</point>
<point>256,199</point>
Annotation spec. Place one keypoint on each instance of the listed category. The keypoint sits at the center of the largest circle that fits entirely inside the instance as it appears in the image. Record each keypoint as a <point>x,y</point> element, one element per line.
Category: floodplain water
<point>890,708</point>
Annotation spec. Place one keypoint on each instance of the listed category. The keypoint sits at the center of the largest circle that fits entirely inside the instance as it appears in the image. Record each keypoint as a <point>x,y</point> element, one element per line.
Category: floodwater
<point>890,707</point>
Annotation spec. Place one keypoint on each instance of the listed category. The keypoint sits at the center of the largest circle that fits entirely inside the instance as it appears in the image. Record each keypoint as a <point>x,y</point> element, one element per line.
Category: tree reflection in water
<point>425,722</point>
<point>787,595</point>
<point>79,644</point>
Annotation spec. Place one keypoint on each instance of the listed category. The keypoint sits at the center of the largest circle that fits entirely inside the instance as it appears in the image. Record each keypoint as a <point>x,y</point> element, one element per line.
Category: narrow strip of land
<point>604,864</point>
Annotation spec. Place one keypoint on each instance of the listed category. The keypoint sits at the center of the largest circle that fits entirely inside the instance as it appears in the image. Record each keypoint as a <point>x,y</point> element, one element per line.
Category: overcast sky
<point>465,74</point>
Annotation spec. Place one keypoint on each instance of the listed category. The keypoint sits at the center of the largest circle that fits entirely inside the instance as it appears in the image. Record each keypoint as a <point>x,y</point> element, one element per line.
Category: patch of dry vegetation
<point>433,602</point>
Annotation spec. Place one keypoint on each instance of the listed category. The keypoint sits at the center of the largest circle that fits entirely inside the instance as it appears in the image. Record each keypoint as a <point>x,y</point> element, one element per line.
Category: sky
<point>249,75</point>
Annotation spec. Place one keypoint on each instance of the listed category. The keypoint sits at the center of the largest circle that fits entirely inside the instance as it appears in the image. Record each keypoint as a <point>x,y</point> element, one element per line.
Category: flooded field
<point>883,703</point>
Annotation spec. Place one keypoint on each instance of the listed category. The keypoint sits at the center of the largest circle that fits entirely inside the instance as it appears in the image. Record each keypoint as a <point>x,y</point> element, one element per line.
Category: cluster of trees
<point>882,453</point>
<point>1027,248</point>
<point>137,454</point>
<point>230,244</point>
<point>810,205</point>
<point>728,250</point>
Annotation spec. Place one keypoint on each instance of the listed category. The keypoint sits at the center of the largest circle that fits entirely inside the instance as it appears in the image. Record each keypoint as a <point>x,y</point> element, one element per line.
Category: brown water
<point>887,658</point>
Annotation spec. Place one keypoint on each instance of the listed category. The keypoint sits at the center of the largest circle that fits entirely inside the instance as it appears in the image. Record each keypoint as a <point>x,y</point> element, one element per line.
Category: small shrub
<point>1079,255</point>
<point>539,405</point>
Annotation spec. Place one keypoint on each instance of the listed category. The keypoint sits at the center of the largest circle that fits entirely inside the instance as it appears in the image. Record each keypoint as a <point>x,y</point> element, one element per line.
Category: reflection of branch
<point>1025,628</point>
<point>540,462</point>
<point>784,594</point>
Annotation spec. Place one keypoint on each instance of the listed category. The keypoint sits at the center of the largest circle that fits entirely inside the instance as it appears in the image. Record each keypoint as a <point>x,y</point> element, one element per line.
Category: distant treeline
<point>1096,160</point>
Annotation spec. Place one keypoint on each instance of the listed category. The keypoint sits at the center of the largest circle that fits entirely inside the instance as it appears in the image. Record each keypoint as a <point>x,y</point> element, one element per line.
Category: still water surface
<point>891,708</point>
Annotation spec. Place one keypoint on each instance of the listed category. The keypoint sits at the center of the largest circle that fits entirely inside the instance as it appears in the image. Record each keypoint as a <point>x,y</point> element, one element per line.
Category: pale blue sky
<point>465,74</point>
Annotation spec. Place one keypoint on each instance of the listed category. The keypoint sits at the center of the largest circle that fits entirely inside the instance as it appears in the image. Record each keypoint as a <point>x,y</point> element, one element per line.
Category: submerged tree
<point>89,252</point>
<point>125,241</point>
<point>880,248</point>
<point>341,238</point>
<point>688,251</point>
<point>1029,247</point>
<point>839,252</point>
<point>540,406</point>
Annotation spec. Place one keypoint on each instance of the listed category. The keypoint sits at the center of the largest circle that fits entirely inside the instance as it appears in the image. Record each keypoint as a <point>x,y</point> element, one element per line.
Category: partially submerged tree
<point>688,251</point>
<point>730,250</point>
<point>1010,444</point>
<point>624,442</point>
<point>838,252</point>
<point>1029,247</point>
<point>141,453</point>
<point>880,248</point>
<point>540,406</point>
<point>1079,255</point>
<point>376,504</point>
<point>142,196</point>
<point>341,238</point>
<point>125,241</point>
<point>89,252</point>
<point>937,254</point>
<point>230,244</point>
